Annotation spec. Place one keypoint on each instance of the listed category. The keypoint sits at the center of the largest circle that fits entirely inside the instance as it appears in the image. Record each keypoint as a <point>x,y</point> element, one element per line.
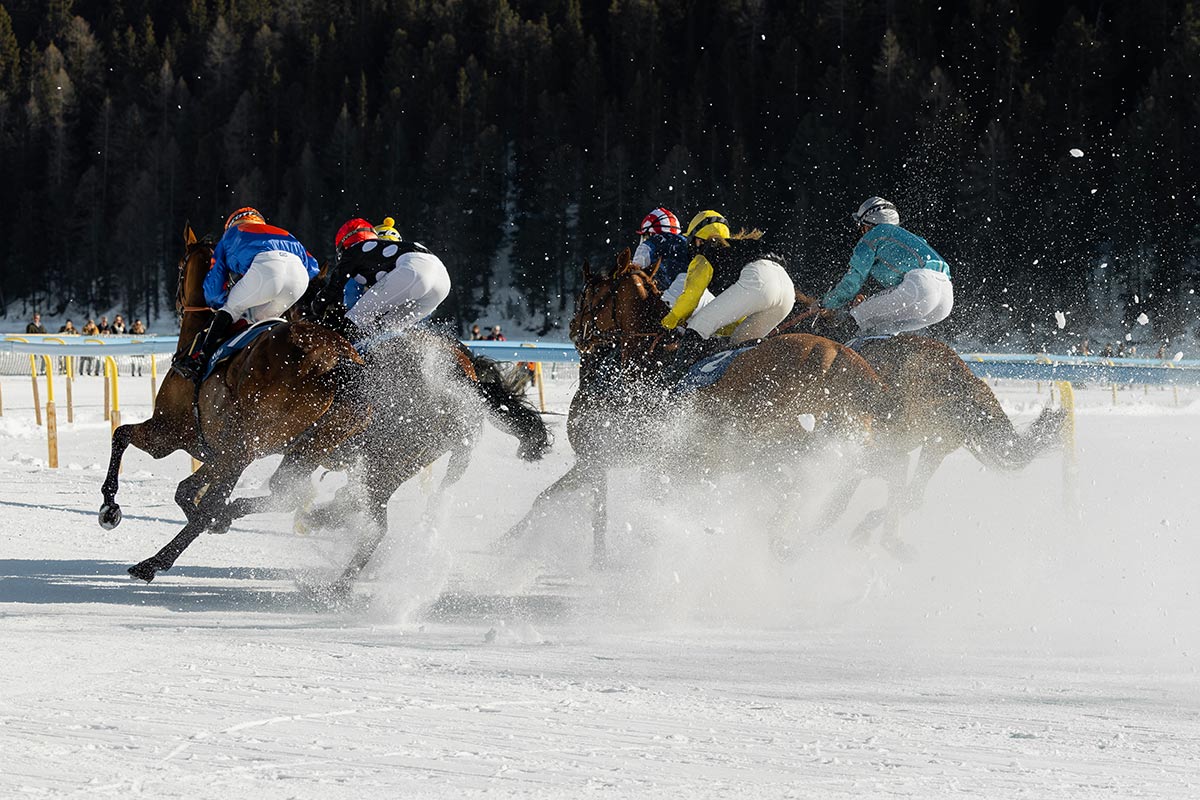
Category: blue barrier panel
<point>91,346</point>
<point>1083,369</point>
<point>525,351</point>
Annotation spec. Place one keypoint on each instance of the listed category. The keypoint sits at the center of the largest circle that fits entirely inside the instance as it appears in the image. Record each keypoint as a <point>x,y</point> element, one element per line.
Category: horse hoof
<point>110,516</point>
<point>142,571</point>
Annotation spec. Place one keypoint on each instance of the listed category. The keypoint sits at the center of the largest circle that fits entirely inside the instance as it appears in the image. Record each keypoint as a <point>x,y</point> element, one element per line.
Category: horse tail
<point>992,438</point>
<point>509,410</point>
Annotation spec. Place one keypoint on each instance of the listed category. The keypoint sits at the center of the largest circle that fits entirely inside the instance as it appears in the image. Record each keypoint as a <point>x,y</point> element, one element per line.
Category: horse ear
<point>189,235</point>
<point>623,258</point>
<point>587,271</point>
<point>654,269</point>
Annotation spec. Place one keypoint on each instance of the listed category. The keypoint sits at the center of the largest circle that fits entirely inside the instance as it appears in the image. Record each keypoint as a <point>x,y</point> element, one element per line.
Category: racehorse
<point>287,389</point>
<point>422,394</point>
<point>940,406</point>
<point>778,399</point>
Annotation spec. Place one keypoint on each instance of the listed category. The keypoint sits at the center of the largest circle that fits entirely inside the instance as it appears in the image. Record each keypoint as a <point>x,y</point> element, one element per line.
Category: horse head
<point>190,302</point>
<point>614,308</point>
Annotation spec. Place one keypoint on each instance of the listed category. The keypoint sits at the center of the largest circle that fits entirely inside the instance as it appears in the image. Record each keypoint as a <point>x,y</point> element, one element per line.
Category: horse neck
<point>196,314</point>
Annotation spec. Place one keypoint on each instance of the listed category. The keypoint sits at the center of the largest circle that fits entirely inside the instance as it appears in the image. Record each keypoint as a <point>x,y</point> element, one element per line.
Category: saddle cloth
<point>240,342</point>
<point>707,371</point>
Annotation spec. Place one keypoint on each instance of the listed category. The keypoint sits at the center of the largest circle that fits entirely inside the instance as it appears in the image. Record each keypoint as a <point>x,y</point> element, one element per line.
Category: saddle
<point>238,342</point>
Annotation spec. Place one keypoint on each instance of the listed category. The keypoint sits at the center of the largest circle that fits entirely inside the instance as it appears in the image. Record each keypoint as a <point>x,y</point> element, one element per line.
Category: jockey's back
<point>238,248</point>
<point>886,253</point>
<point>672,248</point>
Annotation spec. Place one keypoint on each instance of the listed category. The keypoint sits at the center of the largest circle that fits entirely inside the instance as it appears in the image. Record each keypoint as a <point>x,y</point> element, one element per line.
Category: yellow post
<point>1175,393</point>
<point>37,401</point>
<point>1114,388</point>
<point>110,366</point>
<point>196,464</point>
<point>537,376</point>
<point>51,416</point>
<point>107,392</point>
<point>1070,458</point>
<point>67,363</point>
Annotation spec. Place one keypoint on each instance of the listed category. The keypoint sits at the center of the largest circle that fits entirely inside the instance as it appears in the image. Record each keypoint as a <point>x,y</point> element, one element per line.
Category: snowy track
<point>1021,654</point>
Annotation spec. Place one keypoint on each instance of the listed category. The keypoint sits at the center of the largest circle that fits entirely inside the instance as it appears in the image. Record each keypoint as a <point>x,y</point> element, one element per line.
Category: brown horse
<point>624,407</point>
<point>286,390</point>
<point>940,406</point>
<point>427,396</point>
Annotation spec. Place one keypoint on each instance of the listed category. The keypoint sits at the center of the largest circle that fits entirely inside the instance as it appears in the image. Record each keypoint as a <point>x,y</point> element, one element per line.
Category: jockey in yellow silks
<point>753,291</point>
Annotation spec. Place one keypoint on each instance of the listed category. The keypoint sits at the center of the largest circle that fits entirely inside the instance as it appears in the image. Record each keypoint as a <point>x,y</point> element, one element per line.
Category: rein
<point>616,337</point>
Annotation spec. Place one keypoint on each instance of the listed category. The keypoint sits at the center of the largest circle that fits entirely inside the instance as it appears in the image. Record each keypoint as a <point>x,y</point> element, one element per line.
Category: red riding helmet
<point>660,220</point>
<point>352,232</point>
<point>245,214</point>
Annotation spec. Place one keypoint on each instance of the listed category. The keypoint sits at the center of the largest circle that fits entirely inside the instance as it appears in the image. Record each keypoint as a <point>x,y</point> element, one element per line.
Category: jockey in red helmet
<point>387,283</point>
<point>662,238</point>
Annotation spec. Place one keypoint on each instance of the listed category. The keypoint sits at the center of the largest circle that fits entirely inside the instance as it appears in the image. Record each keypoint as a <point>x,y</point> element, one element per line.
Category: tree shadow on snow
<point>184,588</point>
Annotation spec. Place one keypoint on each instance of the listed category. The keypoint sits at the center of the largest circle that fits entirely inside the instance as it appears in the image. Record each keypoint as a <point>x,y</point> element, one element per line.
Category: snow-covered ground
<point>1023,653</point>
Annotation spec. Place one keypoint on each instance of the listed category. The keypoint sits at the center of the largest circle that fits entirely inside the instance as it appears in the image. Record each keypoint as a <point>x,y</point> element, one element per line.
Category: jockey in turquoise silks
<point>916,280</point>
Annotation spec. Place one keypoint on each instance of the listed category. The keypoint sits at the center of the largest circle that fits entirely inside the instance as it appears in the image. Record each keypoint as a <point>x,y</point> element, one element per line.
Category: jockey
<point>258,271</point>
<point>389,283</point>
<point>916,280</point>
<point>661,238</point>
<point>754,292</point>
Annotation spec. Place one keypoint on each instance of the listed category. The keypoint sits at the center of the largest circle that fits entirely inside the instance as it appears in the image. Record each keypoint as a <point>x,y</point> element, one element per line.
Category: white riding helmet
<point>876,210</point>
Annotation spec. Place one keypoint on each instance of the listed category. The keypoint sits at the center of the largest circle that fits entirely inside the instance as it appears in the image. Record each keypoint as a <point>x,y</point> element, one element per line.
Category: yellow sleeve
<point>699,275</point>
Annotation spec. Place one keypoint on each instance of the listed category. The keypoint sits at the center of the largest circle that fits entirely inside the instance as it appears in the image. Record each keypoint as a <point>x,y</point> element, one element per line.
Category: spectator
<point>118,325</point>
<point>1162,352</point>
<point>138,364</point>
<point>476,333</point>
<point>69,329</point>
<point>1084,349</point>
<point>1108,351</point>
<point>36,326</point>
<point>105,328</point>
<point>87,364</point>
<point>496,335</point>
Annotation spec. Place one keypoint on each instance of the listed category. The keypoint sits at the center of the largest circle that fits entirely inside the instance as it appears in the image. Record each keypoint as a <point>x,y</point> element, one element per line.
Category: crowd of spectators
<point>495,335</point>
<point>88,365</point>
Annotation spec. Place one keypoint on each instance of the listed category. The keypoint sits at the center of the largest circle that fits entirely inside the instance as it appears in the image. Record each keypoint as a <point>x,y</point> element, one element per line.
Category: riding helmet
<point>708,225</point>
<point>353,231</point>
<point>245,214</point>
<point>875,211</point>
<point>660,220</point>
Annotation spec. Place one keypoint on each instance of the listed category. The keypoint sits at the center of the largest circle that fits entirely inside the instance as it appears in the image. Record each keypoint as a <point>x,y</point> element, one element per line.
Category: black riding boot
<point>193,366</point>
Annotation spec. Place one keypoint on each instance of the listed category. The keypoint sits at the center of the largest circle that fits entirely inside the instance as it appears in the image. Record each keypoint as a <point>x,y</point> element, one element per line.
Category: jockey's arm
<point>699,275</point>
<point>215,290</point>
<point>643,257</point>
<point>860,269</point>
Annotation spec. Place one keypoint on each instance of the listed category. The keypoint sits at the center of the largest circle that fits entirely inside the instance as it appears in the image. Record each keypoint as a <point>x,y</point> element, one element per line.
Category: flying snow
<point>1143,319</point>
<point>1076,152</point>
<point>1061,319</point>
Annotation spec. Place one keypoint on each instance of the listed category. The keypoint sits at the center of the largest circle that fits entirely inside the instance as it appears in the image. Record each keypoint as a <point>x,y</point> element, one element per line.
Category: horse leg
<point>213,496</point>
<point>933,453</point>
<point>154,436</point>
<point>460,459</point>
<point>576,478</point>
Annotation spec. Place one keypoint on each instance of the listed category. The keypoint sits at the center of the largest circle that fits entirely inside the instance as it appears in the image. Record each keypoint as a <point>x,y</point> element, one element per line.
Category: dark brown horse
<point>287,390</point>
<point>774,402</point>
<point>423,394</point>
<point>940,406</point>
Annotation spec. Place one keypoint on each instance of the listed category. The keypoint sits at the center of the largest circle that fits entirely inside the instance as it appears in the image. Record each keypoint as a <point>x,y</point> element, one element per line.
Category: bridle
<point>188,252</point>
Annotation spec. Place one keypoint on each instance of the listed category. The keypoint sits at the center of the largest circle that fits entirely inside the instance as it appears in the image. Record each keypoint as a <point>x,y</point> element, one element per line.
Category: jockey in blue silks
<point>916,280</point>
<point>258,271</point>
<point>662,238</point>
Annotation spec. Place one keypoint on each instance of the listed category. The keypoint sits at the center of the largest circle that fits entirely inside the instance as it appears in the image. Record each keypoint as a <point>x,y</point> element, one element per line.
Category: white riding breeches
<point>272,285</point>
<point>763,294</point>
<point>924,297</point>
<point>676,288</point>
<point>414,288</point>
